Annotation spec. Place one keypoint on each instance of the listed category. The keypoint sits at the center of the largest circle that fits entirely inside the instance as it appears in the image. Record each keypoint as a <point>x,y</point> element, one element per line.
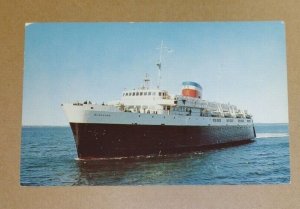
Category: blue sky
<point>243,63</point>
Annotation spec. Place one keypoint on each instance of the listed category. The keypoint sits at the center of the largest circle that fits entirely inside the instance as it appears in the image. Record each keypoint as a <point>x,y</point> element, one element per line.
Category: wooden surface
<point>14,15</point>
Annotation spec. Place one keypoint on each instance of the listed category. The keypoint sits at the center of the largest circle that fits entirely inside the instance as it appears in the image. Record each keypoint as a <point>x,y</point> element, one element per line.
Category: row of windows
<point>149,93</point>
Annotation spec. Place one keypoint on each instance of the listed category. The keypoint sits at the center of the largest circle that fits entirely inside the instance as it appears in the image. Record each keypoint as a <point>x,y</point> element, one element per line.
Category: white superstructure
<point>155,107</point>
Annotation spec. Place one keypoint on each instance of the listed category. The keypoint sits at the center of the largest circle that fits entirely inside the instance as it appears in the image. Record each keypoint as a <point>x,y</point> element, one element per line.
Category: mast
<point>146,82</point>
<point>159,64</point>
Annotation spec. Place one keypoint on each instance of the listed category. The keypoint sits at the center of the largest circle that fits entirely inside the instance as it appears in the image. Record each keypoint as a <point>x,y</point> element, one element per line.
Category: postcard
<point>183,103</point>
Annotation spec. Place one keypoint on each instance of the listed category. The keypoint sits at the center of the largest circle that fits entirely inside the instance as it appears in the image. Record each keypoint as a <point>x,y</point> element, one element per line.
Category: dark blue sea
<point>48,157</point>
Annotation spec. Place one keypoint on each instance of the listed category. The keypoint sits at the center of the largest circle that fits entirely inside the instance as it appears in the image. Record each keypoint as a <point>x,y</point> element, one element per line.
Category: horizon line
<point>67,125</point>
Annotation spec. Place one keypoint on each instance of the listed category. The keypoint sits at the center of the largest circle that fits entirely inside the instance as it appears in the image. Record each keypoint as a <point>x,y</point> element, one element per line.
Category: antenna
<point>159,64</point>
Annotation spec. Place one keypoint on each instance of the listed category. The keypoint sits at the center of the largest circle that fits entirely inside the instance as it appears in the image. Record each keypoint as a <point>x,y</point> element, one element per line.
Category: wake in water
<point>271,135</point>
<point>141,156</point>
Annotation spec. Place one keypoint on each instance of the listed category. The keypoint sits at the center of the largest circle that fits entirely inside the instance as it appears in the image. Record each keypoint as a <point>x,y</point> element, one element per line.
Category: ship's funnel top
<point>191,89</point>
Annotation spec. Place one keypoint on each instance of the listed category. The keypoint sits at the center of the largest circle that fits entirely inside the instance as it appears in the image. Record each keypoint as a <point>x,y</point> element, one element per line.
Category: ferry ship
<point>147,121</point>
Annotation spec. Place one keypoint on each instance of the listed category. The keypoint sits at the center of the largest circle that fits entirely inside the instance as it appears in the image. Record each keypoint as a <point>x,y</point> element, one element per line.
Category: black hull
<point>114,140</point>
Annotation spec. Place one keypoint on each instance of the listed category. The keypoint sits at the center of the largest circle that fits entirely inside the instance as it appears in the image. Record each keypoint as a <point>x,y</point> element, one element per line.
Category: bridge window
<point>126,94</point>
<point>130,94</point>
<point>159,94</point>
<point>133,94</point>
<point>141,93</point>
<point>153,93</point>
<point>137,93</point>
<point>145,93</point>
<point>149,93</point>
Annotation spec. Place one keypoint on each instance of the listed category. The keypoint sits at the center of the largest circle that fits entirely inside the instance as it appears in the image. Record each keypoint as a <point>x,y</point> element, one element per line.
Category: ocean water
<point>48,157</point>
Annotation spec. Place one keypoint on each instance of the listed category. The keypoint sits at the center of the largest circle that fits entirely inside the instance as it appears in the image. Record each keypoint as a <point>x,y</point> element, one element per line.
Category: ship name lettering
<point>101,114</point>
